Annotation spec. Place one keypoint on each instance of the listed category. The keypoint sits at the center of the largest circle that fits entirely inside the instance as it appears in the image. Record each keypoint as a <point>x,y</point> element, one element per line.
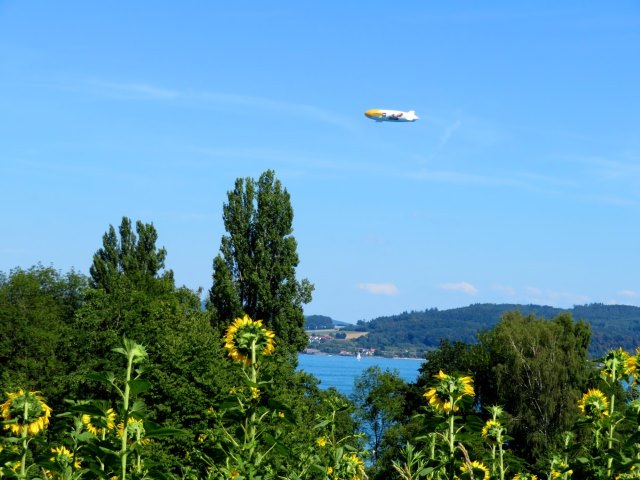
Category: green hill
<point>612,325</point>
<point>317,322</point>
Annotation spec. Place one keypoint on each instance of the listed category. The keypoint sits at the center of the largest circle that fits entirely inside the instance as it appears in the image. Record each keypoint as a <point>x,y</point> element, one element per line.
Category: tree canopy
<point>37,307</point>
<point>536,367</point>
<point>255,271</point>
<point>612,326</point>
<point>130,257</point>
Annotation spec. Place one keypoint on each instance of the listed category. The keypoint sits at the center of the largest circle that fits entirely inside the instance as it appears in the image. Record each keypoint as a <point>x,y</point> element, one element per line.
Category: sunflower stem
<point>254,380</point>
<point>139,456</point>
<point>125,405</point>
<point>612,426</point>
<point>432,450</point>
<point>493,459</point>
<point>501,456</point>
<point>25,443</point>
<point>451,429</point>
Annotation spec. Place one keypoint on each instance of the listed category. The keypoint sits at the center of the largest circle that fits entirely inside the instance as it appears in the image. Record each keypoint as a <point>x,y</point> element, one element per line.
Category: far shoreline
<point>325,354</point>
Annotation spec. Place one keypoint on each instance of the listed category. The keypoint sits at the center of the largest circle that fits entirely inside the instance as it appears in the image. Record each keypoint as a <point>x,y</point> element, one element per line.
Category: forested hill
<point>611,325</point>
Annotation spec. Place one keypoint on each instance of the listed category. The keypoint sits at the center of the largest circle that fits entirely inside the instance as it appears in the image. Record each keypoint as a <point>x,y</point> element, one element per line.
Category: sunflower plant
<point>64,465</point>
<point>474,470</point>
<point>632,366</point>
<point>25,415</point>
<point>119,434</point>
<point>248,340</point>
<point>245,426</point>
<point>414,466</point>
<point>608,454</point>
<point>337,456</point>
<point>446,396</point>
<point>494,435</point>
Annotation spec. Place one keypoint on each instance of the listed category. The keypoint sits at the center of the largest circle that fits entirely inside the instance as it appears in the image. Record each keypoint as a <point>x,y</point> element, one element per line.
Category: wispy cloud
<point>292,157</point>
<point>464,287</point>
<point>135,91</point>
<point>446,176</point>
<point>611,200</point>
<point>629,293</point>
<point>554,297</point>
<point>615,169</point>
<point>623,166</point>
<point>379,288</point>
<point>448,132</point>
<point>505,290</point>
<point>248,104</point>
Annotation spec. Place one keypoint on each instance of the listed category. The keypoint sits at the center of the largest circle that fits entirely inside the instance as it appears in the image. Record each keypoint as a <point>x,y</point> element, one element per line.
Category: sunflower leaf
<point>138,386</point>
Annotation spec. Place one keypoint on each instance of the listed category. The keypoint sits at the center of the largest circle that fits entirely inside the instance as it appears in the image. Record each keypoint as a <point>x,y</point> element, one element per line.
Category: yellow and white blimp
<point>391,115</point>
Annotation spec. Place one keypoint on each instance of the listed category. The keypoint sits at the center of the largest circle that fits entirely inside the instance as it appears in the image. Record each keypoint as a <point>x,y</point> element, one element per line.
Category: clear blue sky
<point>520,183</point>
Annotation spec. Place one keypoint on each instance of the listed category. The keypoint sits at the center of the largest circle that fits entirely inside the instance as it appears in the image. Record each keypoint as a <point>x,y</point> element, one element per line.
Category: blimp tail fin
<point>411,115</point>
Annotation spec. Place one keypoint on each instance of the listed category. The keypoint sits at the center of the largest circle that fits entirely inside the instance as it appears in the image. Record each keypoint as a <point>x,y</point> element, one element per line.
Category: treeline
<point>122,374</point>
<point>317,322</point>
<point>612,325</point>
<point>523,401</point>
<point>62,336</point>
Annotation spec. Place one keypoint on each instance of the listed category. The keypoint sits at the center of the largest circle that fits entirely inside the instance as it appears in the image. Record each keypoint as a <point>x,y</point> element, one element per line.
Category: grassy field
<point>351,335</point>
<point>333,331</point>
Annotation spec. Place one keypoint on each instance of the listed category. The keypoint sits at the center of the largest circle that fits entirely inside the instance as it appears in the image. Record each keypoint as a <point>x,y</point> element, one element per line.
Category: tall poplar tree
<point>255,271</point>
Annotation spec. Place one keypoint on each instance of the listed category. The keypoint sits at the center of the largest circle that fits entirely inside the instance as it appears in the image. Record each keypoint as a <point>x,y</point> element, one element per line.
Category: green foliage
<point>612,325</point>
<point>317,322</point>
<point>131,258</point>
<point>183,410</point>
<point>379,399</point>
<point>133,297</point>
<point>93,444</point>
<point>540,369</point>
<point>37,307</point>
<point>254,273</point>
<point>537,367</point>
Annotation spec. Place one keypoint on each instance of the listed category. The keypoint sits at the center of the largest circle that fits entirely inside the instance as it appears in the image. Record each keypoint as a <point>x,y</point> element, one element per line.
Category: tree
<point>134,296</point>
<point>132,257</point>
<point>317,322</point>
<point>37,307</point>
<point>540,369</point>
<point>451,357</point>
<point>129,296</point>
<point>379,399</point>
<point>254,273</point>
<point>537,369</point>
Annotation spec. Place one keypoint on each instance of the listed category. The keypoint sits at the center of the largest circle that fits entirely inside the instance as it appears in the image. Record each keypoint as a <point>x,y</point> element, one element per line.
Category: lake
<point>340,371</point>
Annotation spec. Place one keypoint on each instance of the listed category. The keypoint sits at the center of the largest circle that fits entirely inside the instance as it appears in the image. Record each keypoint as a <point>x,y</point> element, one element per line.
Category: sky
<point>520,183</point>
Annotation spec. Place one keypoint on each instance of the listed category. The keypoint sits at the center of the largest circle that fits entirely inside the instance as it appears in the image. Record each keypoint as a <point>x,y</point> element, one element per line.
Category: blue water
<point>341,371</point>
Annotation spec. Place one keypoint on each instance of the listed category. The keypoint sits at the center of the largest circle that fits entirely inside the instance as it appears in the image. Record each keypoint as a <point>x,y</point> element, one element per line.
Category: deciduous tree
<point>37,307</point>
<point>255,271</point>
<point>536,368</point>
<point>540,370</point>
<point>379,398</point>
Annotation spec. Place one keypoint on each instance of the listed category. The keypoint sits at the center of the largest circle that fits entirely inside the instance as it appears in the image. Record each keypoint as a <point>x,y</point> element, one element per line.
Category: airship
<point>391,115</point>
